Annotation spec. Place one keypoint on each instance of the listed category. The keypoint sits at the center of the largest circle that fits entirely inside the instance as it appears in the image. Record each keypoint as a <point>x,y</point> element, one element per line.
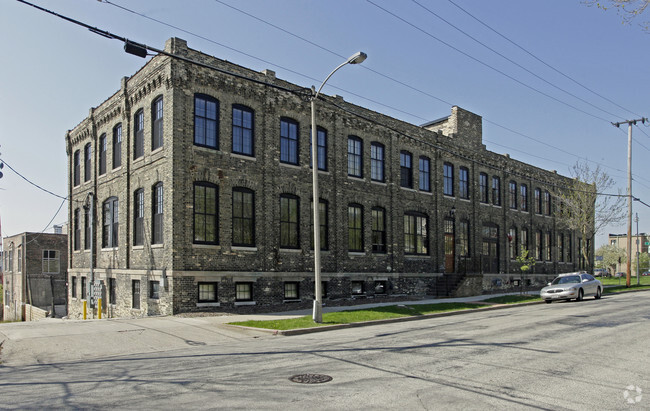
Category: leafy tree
<point>643,262</point>
<point>612,255</point>
<point>586,204</point>
<point>526,262</point>
<point>627,9</point>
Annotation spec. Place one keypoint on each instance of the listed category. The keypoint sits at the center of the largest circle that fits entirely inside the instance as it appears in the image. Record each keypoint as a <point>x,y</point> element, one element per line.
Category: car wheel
<point>598,294</point>
<point>548,301</point>
<point>580,294</point>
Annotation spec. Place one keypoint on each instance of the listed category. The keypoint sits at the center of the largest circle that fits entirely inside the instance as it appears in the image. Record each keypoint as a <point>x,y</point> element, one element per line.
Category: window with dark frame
<point>569,254</point>
<point>138,134</point>
<point>321,144</point>
<point>356,287</point>
<point>513,195</point>
<point>154,290</point>
<point>243,291</point>
<point>76,242</point>
<point>496,190</point>
<point>112,291</point>
<point>111,223</point>
<point>288,141</point>
<point>406,169</point>
<point>243,217</point>
<point>73,286</point>
<point>560,247</point>
<point>425,174</point>
<point>291,290</point>
<point>323,289</point>
<point>483,187</point>
<point>538,245</point>
<point>448,179</point>
<point>76,178</point>
<point>378,230</point>
<point>546,203</point>
<point>416,240</point>
<point>135,294</point>
<point>323,222</point>
<point>51,262</point>
<point>538,201</point>
<point>381,287</point>
<point>138,217</point>
<point>512,242</point>
<point>207,292</point>
<point>87,233</point>
<point>117,146</point>
<point>355,157</point>
<point>355,228</point>
<point>157,214</point>
<point>102,154</point>
<point>463,238</point>
<point>463,183</point>
<point>377,162</point>
<point>242,130</point>
<point>205,213</point>
<point>84,291</point>
<point>523,191</point>
<point>523,239</point>
<point>206,121</point>
<point>289,221</point>
<point>547,246</point>
<point>157,124</point>
<point>87,162</point>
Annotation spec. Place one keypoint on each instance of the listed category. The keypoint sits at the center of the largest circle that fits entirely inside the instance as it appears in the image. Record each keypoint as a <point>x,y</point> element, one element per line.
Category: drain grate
<point>310,378</point>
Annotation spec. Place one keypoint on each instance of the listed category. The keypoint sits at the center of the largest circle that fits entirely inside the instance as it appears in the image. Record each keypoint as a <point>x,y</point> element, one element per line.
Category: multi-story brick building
<point>35,273</point>
<point>202,183</point>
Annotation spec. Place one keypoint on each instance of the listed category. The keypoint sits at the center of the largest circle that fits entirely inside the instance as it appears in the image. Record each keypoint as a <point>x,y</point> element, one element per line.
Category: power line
<point>30,182</point>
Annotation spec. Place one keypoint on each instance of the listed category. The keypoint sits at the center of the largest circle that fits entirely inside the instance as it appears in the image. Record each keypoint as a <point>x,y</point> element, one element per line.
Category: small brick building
<point>34,273</point>
<point>192,187</point>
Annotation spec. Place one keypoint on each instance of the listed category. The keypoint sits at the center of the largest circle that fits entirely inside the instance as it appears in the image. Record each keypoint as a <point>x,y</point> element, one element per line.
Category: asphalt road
<point>559,356</point>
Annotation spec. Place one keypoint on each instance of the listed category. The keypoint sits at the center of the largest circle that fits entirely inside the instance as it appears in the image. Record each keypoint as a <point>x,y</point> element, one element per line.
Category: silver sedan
<point>572,286</point>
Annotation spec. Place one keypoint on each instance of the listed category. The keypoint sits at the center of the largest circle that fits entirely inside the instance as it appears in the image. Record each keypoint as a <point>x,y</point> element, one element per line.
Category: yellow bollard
<point>99,308</point>
<point>84,309</point>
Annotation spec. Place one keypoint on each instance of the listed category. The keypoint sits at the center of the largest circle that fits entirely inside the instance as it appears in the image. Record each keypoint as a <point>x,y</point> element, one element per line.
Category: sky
<point>548,77</point>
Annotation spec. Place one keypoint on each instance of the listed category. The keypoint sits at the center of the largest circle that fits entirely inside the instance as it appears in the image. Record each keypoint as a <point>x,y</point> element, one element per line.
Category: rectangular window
<point>157,124</point>
<point>242,130</point>
<point>87,233</point>
<point>463,238</point>
<point>73,286</point>
<point>20,261</point>
<point>138,217</point>
<point>288,141</point>
<point>206,121</point>
<point>547,203</point>
<point>523,191</point>
<point>547,246</point>
<point>154,290</point>
<point>512,242</point>
<point>291,290</point>
<point>463,183</point>
<point>483,187</point>
<point>356,287</point>
<point>378,230</point>
<point>76,242</point>
<point>77,168</point>
<point>157,215</point>
<point>135,294</point>
<point>538,201</point>
<point>87,162</point>
<point>496,190</point>
<point>117,146</point>
<point>425,174</point>
<point>243,217</point>
<point>523,239</point>
<point>560,247</point>
<point>102,154</point>
<point>207,292</point>
<point>355,157</point>
<point>138,134</point>
<point>513,195</point>
<point>406,169</point>
<point>112,291</point>
<point>380,287</point>
<point>321,145</point>
<point>84,290</point>
<point>111,223</point>
<point>415,234</point>
<point>51,263</point>
<point>448,179</point>
<point>244,291</point>
<point>322,220</point>
<point>569,254</point>
<point>205,213</point>
<point>538,245</point>
<point>289,227</point>
<point>355,228</point>
<point>376,162</point>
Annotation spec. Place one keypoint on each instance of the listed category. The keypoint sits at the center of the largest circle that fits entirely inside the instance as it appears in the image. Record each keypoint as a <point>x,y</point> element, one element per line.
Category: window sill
<point>429,193</point>
<point>158,245</point>
<point>110,249</point>
<point>290,250</point>
<point>417,256</point>
<point>238,303</point>
<point>356,253</point>
<point>292,300</point>
<point>153,300</point>
<point>290,165</point>
<point>408,189</point>
<point>207,246</point>
<point>158,150</point>
<point>243,156</point>
<point>243,248</point>
<point>206,149</point>
<point>138,247</point>
<point>381,183</point>
<point>199,305</point>
<point>116,169</point>
<point>356,178</point>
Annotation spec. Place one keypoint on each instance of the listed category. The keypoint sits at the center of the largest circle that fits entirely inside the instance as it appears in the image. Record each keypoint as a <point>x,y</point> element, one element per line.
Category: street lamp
<point>357,58</point>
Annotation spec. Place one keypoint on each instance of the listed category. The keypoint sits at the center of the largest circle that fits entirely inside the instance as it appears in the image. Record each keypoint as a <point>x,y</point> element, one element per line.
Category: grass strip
<point>513,299</point>
<point>623,288</point>
<point>355,316</point>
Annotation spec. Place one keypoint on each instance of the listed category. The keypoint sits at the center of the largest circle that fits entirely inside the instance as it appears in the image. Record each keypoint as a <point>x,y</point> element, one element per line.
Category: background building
<point>35,273</point>
<point>639,243</point>
<point>190,189</point>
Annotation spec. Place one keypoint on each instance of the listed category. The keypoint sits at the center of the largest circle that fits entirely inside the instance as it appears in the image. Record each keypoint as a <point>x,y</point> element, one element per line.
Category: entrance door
<point>490,255</point>
<point>450,249</point>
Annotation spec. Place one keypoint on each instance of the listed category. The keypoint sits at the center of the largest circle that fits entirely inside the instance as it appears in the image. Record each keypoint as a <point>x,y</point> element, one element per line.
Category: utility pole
<point>629,193</point>
<point>636,220</point>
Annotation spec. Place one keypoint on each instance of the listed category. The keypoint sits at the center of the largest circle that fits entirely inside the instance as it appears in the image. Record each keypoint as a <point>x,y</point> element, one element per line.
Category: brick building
<point>34,273</point>
<point>192,186</point>
<point>639,243</point>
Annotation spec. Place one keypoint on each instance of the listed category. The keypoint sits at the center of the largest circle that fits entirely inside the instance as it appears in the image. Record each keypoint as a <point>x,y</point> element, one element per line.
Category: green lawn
<point>644,279</point>
<point>513,299</point>
<point>355,316</point>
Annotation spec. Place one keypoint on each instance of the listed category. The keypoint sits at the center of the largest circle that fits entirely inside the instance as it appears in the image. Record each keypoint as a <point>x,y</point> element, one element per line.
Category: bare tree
<point>627,9</point>
<point>586,205</point>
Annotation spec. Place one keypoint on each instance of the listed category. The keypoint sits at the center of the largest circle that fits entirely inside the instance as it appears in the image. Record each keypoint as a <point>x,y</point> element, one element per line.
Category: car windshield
<point>567,280</point>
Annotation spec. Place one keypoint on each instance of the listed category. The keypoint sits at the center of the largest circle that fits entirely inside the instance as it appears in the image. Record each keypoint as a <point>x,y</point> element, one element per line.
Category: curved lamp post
<point>357,58</point>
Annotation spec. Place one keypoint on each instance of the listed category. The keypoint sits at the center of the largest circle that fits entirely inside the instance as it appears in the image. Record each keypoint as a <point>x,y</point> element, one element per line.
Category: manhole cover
<point>310,378</point>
